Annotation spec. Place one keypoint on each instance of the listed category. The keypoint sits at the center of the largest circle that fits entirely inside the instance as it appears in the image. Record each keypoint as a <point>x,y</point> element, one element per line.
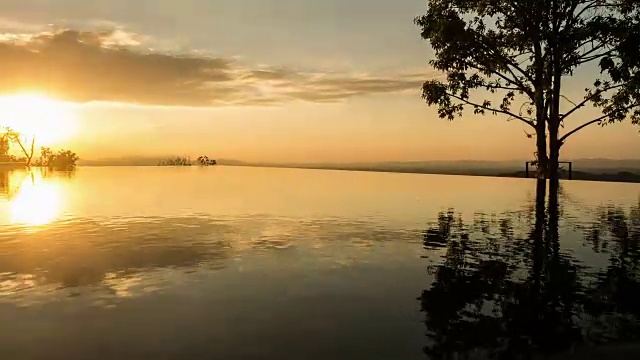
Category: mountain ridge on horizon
<point>585,163</point>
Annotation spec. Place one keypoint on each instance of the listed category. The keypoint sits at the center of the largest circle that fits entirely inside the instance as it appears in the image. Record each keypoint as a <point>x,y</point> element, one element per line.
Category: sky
<point>254,80</point>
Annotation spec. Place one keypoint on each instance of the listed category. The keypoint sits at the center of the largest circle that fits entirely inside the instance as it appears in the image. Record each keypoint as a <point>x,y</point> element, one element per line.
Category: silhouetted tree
<point>11,136</point>
<point>205,161</point>
<point>60,160</point>
<point>176,161</point>
<point>5,145</point>
<point>520,50</point>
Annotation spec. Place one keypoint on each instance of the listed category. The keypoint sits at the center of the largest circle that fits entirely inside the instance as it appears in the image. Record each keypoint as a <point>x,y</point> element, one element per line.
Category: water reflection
<point>37,202</point>
<point>252,260</point>
<point>31,199</point>
<point>4,183</point>
<point>10,181</point>
<point>111,255</point>
<point>499,293</point>
<point>127,257</point>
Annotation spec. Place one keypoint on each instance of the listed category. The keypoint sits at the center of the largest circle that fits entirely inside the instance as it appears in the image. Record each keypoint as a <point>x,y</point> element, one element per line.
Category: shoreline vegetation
<point>186,161</point>
<point>58,160</point>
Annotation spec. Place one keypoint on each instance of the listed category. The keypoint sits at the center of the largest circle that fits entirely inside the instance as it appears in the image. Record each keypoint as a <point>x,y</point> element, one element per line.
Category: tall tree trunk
<point>541,131</point>
<point>30,156</point>
<point>554,116</point>
<point>541,144</point>
<point>541,135</point>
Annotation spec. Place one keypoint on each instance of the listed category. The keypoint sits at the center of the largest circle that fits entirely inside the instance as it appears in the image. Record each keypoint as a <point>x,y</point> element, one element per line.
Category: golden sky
<point>258,80</point>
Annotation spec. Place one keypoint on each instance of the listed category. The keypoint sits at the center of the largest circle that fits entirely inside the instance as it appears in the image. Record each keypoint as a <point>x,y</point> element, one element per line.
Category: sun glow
<point>37,202</point>
<point>50,121</point>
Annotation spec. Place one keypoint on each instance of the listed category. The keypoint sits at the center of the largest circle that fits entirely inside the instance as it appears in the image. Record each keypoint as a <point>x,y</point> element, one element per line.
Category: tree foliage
<point>176,161</point>
<point>59,160</point>
<point>5,145</point>
<point>510,57</point>
<point>205,161</point>
<point>475,55</point>
<point>11,136</point>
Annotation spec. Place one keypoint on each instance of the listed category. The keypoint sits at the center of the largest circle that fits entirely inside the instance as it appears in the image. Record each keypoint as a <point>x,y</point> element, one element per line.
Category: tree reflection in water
<point>4,183</point>
<point>500,294</point>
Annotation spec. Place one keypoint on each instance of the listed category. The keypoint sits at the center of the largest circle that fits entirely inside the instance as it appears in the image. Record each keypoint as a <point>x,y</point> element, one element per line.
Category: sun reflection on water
<point>37,201</point>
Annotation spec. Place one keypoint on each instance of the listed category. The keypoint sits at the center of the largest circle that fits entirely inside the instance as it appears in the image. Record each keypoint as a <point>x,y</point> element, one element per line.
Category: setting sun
<point>50,121</point>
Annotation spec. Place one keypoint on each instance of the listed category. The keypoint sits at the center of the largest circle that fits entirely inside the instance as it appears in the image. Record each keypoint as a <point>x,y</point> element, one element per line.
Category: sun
<point>50,121</point>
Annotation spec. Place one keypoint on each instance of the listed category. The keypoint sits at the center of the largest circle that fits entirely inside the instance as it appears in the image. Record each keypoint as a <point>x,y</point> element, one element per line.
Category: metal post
<point>570,171</point>
<point>526,166</point>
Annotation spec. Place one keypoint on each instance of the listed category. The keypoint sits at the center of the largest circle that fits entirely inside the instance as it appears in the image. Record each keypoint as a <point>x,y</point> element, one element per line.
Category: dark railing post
<point>570,170</point>
<point>526,171</point>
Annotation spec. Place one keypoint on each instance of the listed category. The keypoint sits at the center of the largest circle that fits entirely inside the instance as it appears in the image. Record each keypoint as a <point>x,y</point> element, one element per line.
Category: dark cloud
<point>274,75</point>
<point>113,66</point>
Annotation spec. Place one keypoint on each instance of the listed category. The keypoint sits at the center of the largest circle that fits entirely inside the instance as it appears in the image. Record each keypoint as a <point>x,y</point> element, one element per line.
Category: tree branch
<point>585,59</point>
<point>500,87</point>
<point>594,121</point>
<point>30,157</point>
<point>16,138</point>
<point>595,5</point>
<point>507,62</point>
<point>514,81</point>
<point>589,98</point>
<point>589,6</point>
<point>562,139</point>
<point>528,122</point>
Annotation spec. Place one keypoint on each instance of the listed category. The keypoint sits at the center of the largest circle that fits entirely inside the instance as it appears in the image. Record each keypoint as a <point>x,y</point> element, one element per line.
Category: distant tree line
<point>175,161</point>
<point>186,161</point>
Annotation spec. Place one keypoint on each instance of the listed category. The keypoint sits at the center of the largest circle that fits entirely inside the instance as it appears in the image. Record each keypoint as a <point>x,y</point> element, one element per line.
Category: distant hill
<point>125,161</point>
<point>471,167</point>
<point>583,169</point>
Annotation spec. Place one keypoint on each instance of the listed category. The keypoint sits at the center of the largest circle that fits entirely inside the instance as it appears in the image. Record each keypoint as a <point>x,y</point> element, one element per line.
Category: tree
<point>602,32</point>
<point>204,161</point>
<point>520,50</point>
<point>176,161</point>
<point>5,145</point>
<point>12,136</point>
<point>60,160</point>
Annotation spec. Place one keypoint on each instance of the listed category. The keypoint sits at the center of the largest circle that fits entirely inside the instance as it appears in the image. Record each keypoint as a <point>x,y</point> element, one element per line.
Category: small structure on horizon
<point>535,163</point>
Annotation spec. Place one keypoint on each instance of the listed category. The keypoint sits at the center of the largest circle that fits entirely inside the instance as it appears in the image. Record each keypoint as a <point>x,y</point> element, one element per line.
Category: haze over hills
<point>452,166</point>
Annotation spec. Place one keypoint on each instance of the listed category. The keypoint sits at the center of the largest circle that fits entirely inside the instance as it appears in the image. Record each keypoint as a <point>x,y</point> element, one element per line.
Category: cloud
<point>117,66</point>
